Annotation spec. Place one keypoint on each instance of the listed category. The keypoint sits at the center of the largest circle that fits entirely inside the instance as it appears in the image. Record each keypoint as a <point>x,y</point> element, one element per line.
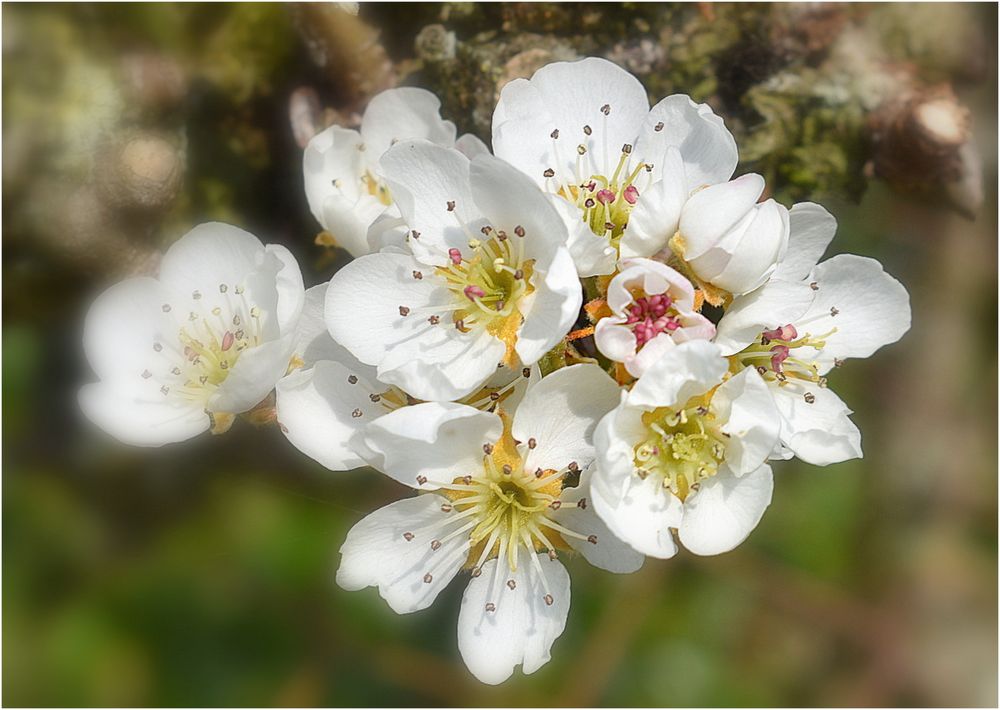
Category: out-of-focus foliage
<point>202,574</point>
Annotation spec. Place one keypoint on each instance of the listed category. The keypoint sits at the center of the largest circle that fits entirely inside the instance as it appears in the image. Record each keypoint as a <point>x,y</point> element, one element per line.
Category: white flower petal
<point>442,364</point>
<point>725,510</point>
<point>424,179</point>
<point>389,231</point>
<point>760,248</point>
<point>560,413</point>
<point>577,513</point>
<point>615,439</point>
<point>653,277</point>
<point>775,304</point>
<point>653,350</point>
<point>751,419</point>
<point>710,213</point>
<point>657,213</point>
<point>872,309</point>
<point>614,340</point>
<point>705,144</point>
<point>291,290</point>
<point>321,409</point>
<point>568,96</point>
<point>508,199</point>
<point>404,113</point>
<point>121,326</point>
<point>349,220</point>
<point>643,516</point>
<point>313,341</point>
<point>333,155</point>
<point>409,574</point>
<point>364,298</point>
<point>253,376</point>
<point>521,627</point>
<point>682,372</point>
<point>216,255</point>
<point>139,420</point>
<point>440,440</point>
<point>592,254</point>
<point>820,432</point>
<point>553,310</point>
<point>470,146</point>
<point>811,229</point>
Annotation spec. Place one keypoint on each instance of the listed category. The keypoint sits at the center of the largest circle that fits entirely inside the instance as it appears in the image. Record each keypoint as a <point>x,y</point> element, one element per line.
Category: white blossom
<point>501,497</point>
<point>346,191</point>
<point>652,308</point>
<point>686,450</point>
<point>618,171</point>
<point>208,339</point>
<point>486,279</point>
<point>806,320</point>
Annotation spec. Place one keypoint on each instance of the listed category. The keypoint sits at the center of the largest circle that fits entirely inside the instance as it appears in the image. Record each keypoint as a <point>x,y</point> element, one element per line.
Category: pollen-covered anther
<point>809,397</point>
<point>428,578</point>
<point>548,172</point>
<point>511,584</point>
<point>587,130</point>
<point>507,469</point>
<point>487,449</point>
<point>435,545</point>
<point>519,230</point>
<point>490,607</point>
<point>472,292</point>
<point>786,332</point>
<point>357,413</point>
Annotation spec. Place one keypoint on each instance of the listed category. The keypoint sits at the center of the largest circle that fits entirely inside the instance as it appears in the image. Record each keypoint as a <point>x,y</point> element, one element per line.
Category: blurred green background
<point>202,573</point>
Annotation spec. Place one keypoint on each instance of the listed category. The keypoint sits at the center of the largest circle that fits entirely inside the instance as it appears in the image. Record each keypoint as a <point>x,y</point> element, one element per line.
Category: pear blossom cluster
<point>588,342</point>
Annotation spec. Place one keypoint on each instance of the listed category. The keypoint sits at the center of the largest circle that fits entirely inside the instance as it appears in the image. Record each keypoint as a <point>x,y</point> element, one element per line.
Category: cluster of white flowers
<point>452,353</point>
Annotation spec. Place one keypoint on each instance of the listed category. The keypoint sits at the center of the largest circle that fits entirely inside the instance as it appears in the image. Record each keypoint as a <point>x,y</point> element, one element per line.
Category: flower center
<point>605,201</point>
<point>648,316</point>
<point>488,285</point>
<point>208,346</point>
<point>683,446</point>
<point>772,355</point>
